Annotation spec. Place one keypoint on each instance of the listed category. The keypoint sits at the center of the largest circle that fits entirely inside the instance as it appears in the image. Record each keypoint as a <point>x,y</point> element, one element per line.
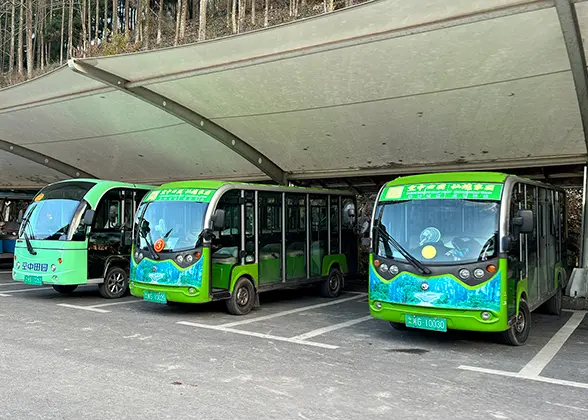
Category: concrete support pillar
<point>578,284</point>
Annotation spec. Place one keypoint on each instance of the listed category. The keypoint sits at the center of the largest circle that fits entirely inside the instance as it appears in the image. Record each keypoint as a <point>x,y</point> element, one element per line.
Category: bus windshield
<point>55,213</point>
<point>438,230</point>
<point>178,223</point>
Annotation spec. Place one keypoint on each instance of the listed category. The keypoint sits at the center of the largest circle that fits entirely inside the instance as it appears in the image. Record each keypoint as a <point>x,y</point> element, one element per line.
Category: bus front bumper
<point>457,319</point>
<point>182,294</point>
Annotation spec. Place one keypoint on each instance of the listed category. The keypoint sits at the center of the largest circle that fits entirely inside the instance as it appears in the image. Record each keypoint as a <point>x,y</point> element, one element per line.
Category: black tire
<point>553,305</point>
<point>65,288</point>
<point>331,287</point>
<point>518,333</point>
<point>116,283</point>
<point>398,326</point>
<point>242,299</point>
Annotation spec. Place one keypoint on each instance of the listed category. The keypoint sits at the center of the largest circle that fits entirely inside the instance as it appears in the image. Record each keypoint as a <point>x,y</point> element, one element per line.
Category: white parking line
<point>533,369</point>
<point>10,292</point>
<point>532,378</point>
<point>5,272</point>
<point>292,311</point>
<point>84,308</point>
<point>14,283</point>
<point>259,335</point>
<point>117,303</point>
<point>542,359</point>
<point>324,330</point>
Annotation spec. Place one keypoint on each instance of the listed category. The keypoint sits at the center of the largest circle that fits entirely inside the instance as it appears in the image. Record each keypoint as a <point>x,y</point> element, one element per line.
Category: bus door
<point>318,233</point>
<point>106,237</point>
<point>296,238</point>
<point>270,237</point>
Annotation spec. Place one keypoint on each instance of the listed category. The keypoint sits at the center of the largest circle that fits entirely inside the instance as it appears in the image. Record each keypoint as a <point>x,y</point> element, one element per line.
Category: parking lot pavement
<point>297,356</point>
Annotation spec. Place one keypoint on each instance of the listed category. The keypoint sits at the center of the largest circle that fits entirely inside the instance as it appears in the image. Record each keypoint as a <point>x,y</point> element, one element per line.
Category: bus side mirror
<point>523,223</point>
<point>218,219</point>
<point>88,217</point>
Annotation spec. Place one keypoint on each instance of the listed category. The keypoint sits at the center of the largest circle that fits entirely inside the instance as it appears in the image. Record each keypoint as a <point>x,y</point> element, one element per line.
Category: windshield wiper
<point>407,255</point>
<point>27,240</point>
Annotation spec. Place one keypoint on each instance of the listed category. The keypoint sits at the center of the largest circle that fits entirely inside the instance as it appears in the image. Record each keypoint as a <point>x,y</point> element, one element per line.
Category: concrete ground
<point>298,356</point>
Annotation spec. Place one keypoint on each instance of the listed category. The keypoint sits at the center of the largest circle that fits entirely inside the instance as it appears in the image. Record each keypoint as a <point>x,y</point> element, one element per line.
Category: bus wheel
<point>116,283</point>
<point>332,286</point>
<point>65,289</point>
<point>553,305</point>
<point>518,333</point>
<point>243,297</point>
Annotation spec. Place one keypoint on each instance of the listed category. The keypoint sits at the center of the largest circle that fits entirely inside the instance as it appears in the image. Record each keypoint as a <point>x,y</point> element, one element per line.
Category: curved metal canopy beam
<point>44,160</point>
<point>191,117</point>
<point>568,20</point>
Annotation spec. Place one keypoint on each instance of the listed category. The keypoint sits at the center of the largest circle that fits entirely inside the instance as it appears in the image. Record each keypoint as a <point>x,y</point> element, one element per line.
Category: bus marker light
<point>478,273</point>
<point>485,316</point>
<point>378,305</point>
<point>191,290</point>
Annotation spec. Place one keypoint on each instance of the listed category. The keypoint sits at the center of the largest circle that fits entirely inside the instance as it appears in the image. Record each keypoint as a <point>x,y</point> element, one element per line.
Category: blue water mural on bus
<point>442,292</point>
<point>166,273</point>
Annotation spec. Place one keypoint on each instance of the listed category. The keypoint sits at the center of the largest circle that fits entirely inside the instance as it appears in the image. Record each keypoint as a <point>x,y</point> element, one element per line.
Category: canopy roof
<point>380,89</point>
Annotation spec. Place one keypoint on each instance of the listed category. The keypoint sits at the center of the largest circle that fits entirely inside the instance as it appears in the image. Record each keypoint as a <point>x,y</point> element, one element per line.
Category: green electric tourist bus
<point>78,232</point>
<point>200,241</point>
<point>467,251</point>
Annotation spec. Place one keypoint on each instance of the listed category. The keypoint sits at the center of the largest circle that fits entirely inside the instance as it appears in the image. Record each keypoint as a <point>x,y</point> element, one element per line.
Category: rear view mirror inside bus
<point>523,223</point>
<point>218,219</point>
<point>88,217</point>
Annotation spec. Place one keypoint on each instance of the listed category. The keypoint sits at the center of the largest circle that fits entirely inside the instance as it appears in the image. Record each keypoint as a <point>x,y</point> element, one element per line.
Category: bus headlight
<point>189,259</point>
<point>191,290</point>
<point>378,305</point>
<point>478,273</point>
<point>18,265</point>
<point>180,259</point>
<point>464,273</point>
<point>486,316</point>
<point>53,267</point>
<point>393,270</point>
<point>383,268</point>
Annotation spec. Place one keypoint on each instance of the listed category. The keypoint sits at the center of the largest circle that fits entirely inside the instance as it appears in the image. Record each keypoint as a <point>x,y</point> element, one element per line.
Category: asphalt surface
<point>132,360</point>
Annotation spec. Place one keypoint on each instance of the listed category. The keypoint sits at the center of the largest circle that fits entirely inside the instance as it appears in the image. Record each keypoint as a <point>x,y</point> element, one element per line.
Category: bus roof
<point>101,186</point>
<point>215,185</point>
<point>488,177</point>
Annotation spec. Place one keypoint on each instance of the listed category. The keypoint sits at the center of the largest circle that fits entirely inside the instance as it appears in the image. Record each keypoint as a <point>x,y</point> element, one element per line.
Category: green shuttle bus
<point>199,241</point>
<point>467,251</point>
<point>78,232</point>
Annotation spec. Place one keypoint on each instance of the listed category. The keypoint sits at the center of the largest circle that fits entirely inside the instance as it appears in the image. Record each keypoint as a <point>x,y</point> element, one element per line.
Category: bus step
<point>220,294</point>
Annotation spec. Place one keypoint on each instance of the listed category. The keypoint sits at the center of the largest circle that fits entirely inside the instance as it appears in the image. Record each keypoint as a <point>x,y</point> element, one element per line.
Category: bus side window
<point>109,212</point>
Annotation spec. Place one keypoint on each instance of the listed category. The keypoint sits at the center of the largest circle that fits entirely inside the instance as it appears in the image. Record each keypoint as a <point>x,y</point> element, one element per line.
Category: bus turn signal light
<point>491,269</point>
<point>59,260</point>
<point>377,263</point>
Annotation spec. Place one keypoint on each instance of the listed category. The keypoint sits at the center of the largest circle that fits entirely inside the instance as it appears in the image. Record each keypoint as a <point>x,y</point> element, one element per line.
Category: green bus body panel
<point>72,270</point>
<point>467,316</point>
<point>248,270</point>
<point>330,260</point>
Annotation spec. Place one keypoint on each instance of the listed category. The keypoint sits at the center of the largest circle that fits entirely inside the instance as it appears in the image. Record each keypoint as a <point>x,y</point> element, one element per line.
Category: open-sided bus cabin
<point>470,251</point>
<point>199,241</point>
<point>78,232</point>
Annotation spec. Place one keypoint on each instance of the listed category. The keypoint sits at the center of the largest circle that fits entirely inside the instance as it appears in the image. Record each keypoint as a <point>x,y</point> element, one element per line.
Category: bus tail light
<point>491,269</point>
